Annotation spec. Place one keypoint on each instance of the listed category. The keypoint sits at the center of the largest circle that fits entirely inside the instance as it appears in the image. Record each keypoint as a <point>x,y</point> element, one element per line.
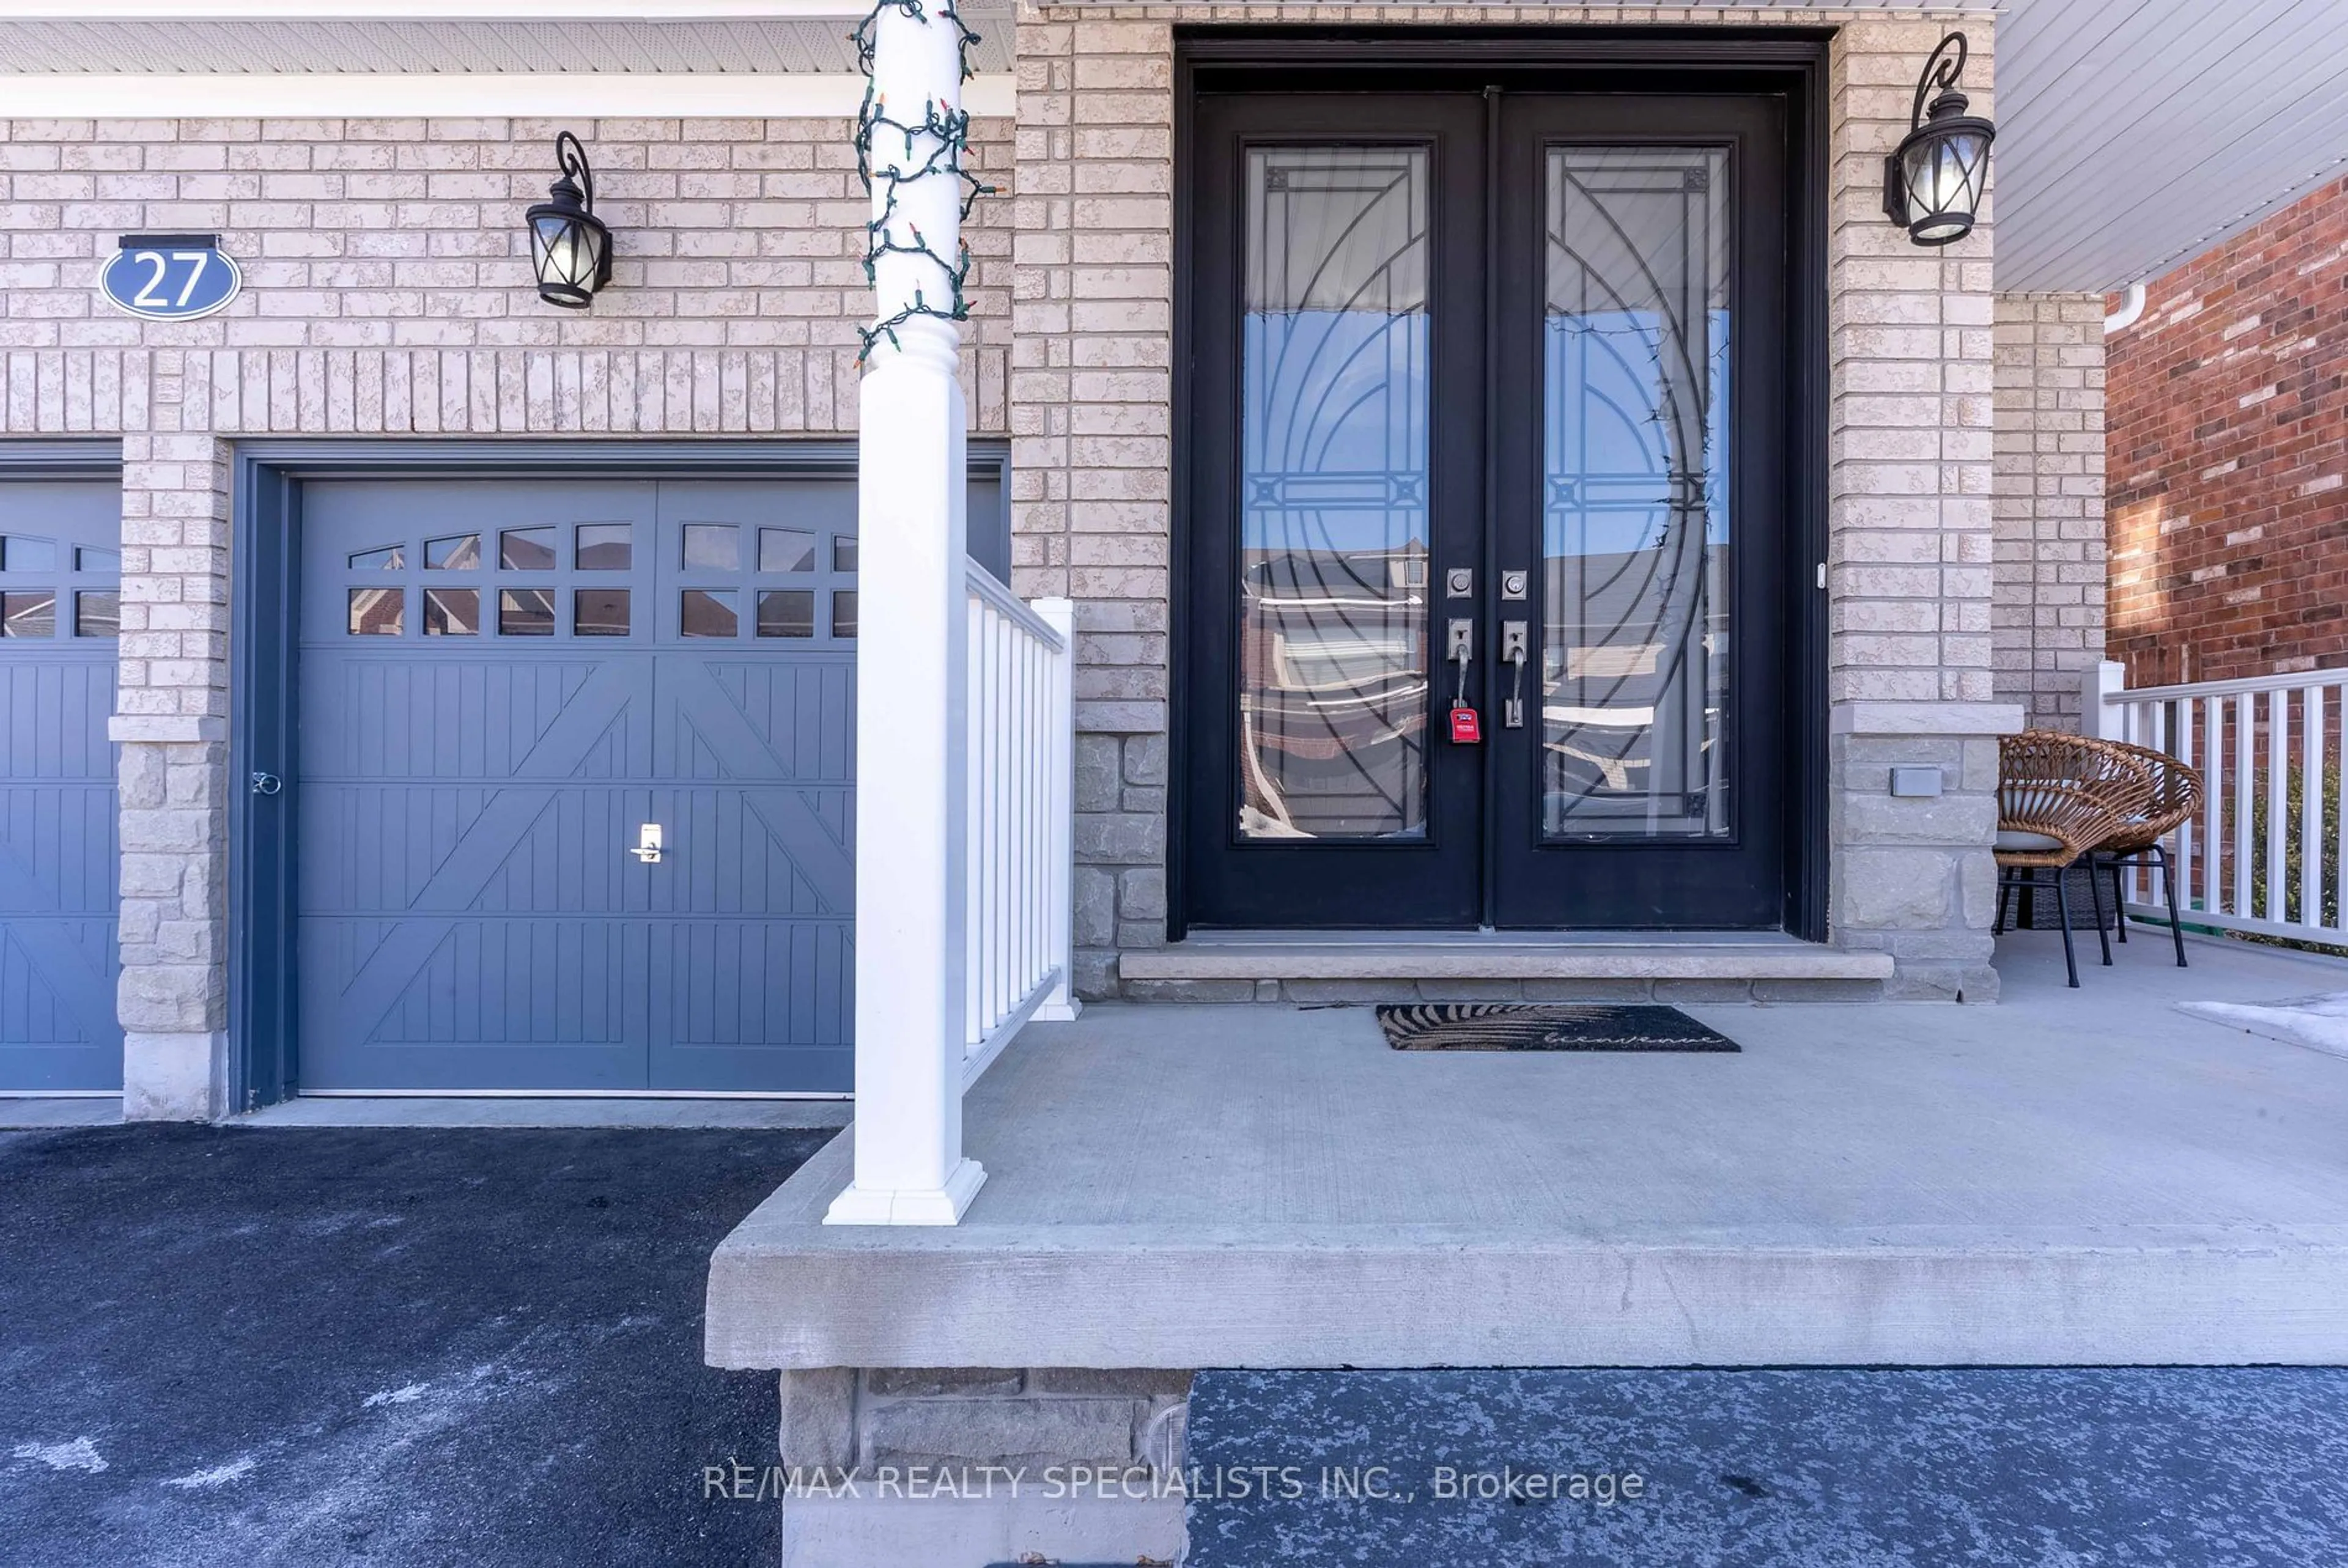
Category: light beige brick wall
<point>392,252</point>
<point>1910,521</point>
<point>387,294</point>
<point>1092,435</point>
<point>2049,490</point>
<point>1910,541</point>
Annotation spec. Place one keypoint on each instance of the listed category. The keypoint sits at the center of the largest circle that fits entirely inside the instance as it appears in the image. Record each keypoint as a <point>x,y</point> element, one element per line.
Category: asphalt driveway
<point>2109,1467</point>
<point>320,1348</point>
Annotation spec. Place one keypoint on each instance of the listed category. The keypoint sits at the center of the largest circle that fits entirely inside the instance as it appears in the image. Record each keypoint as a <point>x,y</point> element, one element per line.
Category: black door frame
<point>1787,61</point>
<point>265,510</point>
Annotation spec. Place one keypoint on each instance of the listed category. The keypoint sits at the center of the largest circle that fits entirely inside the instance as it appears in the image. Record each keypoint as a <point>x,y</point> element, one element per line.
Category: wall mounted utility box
<point>1916,783</point>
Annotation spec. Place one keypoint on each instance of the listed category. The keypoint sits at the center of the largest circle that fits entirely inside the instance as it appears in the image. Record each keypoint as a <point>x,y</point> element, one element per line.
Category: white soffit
<point>2135,134</point>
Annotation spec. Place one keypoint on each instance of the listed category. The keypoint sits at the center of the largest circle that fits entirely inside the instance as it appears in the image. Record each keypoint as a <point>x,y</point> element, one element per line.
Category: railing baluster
<point>1014,845</point>
<point>995,749</point>
<point>2245,781</point>
<point>1040,803</point>
<point>2278,738</point>
<point>1006,755</point>
<point>1015,812</point>
<point>975,821</point>
<point>2213,809</point>
<point>2340,831</point>
<point>1007,891</point>
<point>2180,870</point>
<point>2310,806</point>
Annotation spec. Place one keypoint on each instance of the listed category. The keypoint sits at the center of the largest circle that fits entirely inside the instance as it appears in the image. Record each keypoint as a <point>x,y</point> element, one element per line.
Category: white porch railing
<point>2269,852</point>
<point>1021,818</point>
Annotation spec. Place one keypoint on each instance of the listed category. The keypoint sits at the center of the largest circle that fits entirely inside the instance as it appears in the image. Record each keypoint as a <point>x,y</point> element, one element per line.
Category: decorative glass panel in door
<point>1635,658</point>
<point>1334,484</point>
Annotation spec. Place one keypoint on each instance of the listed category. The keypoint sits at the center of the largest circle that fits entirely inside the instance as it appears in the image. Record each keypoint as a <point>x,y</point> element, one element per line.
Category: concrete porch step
<point>1343,966</point>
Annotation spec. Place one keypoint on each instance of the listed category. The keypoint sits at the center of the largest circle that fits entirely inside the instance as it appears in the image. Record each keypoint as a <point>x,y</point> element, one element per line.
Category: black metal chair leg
<point>2168,880</point>
<point>2095,896</point>
<point>2004,886</point>
<point>2119,902</point>
<point>2063,903</point>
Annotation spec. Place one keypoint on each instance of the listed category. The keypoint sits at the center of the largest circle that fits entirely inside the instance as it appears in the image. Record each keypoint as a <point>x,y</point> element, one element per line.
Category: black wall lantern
<point>1933,186</point>
<point>568,246</point>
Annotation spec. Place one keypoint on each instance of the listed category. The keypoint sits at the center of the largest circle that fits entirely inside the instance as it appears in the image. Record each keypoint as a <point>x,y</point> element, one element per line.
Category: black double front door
<point>1487,560</point>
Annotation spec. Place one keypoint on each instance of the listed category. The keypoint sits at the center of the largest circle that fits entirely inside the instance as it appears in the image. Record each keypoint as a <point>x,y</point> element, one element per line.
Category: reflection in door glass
<point>1333,495</point>
<point>1636,600</point>
<point>452,611</point>
<point>526,550</point>
<point>459,552</point>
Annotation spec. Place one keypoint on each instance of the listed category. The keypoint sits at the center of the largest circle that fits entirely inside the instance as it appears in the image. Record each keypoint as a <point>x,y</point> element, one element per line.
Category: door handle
<point>1459,651</point>
<point>1467,725</point>
<point>1515,646</point>
<point>647,848</point>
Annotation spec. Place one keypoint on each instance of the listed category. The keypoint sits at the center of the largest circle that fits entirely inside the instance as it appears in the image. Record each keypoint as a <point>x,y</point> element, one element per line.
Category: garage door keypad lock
<point>647,848</point>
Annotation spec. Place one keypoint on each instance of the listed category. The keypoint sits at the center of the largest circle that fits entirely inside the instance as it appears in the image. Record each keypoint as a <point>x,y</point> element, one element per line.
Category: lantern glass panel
<point>567,250</point>
<point>1943,176</point>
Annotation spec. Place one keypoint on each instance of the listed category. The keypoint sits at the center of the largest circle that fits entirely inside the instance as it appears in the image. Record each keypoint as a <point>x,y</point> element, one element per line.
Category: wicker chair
<point>2058,797</point>
<point>2178,794</point>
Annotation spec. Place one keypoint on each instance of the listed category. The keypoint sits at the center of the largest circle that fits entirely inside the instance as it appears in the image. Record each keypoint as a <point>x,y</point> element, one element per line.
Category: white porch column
<point>912,652</point>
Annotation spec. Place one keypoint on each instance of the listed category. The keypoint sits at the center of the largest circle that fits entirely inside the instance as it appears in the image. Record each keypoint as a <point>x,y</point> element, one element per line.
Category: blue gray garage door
<point>502,686</point>
<point>59,575</point>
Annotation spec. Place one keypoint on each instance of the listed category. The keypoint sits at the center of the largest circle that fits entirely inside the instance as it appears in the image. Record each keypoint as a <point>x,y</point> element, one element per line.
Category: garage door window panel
<point>452,611</point>
<point>599,612</point>
<point>526,550</point>
<point>459,552</point>
<point>97,612</point>
<point>525,612</point>
<point>606,546</point>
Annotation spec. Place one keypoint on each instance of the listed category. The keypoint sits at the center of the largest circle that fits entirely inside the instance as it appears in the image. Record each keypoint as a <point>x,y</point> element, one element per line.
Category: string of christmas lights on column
<point>946,134</point>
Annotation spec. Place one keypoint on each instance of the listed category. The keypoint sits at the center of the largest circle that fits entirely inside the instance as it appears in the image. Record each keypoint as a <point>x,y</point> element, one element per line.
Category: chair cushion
<point>2019,841</point>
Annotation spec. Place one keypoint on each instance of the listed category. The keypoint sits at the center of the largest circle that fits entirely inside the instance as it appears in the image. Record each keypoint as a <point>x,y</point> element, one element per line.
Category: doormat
<point>1475,1026</point>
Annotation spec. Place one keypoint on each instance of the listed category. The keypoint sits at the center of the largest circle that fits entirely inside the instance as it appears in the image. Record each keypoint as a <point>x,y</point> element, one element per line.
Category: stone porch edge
<point>785,1293</point>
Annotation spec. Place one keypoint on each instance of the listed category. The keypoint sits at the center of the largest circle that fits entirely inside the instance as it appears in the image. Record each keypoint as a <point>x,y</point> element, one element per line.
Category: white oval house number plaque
<point>170,277</point>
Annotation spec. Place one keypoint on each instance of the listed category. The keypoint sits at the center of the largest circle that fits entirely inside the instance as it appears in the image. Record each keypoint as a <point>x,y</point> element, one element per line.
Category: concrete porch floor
<point>2067,1177</point>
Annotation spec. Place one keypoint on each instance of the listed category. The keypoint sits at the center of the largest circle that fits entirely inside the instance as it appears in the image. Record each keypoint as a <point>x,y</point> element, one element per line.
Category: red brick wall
<point>2226,442</point>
